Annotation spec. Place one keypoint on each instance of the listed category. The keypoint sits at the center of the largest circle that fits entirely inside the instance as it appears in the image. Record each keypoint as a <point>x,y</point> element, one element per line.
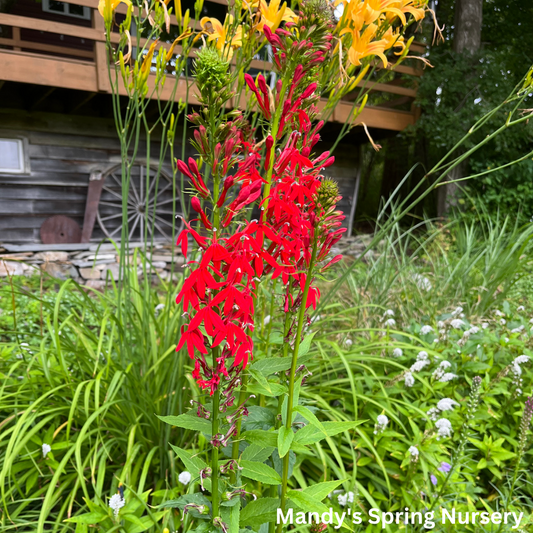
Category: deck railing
<point>82,65</point>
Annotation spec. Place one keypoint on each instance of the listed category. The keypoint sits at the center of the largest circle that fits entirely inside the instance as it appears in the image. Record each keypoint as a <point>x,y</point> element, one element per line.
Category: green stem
<point>214,457</point>
<point>242,397</point>
<point>288,421</point>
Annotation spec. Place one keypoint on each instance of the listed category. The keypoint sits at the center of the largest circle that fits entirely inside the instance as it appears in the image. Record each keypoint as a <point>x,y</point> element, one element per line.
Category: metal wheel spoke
<point>134,226</point>
<point>111,191</point>
<point>166,212</point>
<point>116,205</point>
<point>111,216</point>
<point>166,201</point>
<point>160,230</point>
<point>118,228</point>
<point>141,183</point>
<point>160,192</point>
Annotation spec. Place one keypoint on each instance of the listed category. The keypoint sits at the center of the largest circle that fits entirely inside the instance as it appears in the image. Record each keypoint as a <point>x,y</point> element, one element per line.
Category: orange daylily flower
<point>272,14</point>
<point>375,8</point>
<point>394,40</point>
<point>107,7</point>
<point>414,7</point>
<point>362,46</point>
<point>219,33</point>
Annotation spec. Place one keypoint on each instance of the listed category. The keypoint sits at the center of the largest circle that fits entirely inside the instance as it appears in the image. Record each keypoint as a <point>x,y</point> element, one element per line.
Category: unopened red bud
<point>309,91</point>
<point>182,167</point>
<point>250,82</point>
<point>261,83</point>
<point>196,205</point>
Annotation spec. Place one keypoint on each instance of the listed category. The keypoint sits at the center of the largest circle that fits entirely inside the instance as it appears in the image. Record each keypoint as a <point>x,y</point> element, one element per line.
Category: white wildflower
<point>485,325</point>
<point>413,450</point>
<point>433,414</point>
<point>185,478</point>
<point>409,379</point>
<point>397,352</point>
<point>458,311</point>
<point>521,359</point>
<point>473,330</point>
<point>441,369</point>
<point>446,404</point>
<point>419,365</point>
<point>19,356</point>
<point>422,282</point>
<point>266,321</point>
<point>499,313</point>
<point>531,322</point>
<point>519,329</point>
<point>390,322</point>
<point>516,370</point>
<point>116,502</point>
<point>503,321</point>
<point>344,499</point>
<point>441,324</point>
<point>422,356</point>
<point>444,428</point>
<point>520,308</point>
<point>348,342</point>
<point>425,330</point>
<point>448,376</point>
<point>46,449</point>
<point>457,323</point>
<point>159,307</point>
<point>382,421</point>
<point>388,312</point>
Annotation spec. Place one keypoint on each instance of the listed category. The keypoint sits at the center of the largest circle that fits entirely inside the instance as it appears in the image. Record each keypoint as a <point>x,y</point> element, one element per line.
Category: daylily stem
<point>288,421</point>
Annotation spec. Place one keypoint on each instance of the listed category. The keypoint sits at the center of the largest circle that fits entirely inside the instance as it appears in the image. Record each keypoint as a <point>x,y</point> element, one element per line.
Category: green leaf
<point>187,421</point>
<point>192,463</point>
<point>310,417</point>
<point>306,502</point>
<point>88,518</point>
<point>320,490</point>
<point>265,439</point>
<point>311,434</point>
<point>259,512</point>
<point>133,519</point>
<point>269,366</point>
<point>305,345</point>
<point>198,498</point>
<point>285,437</point>
<point>260,472</point>
<point>254,452</point>
<point>273,390</point>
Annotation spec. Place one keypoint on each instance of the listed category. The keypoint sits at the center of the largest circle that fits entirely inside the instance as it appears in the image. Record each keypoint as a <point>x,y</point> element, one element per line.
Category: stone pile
<point>94,265</point>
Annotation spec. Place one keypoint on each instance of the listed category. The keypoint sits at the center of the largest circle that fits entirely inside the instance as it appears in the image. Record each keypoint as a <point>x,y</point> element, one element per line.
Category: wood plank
<point>69,194</point>
<point>24,67</point>
<point>61,28</point>
<point>52,48</point>
<point>100,55</point>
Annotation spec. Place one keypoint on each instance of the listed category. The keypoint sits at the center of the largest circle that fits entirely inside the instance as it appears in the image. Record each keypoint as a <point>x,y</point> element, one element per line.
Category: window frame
<point>24,158</point>
<point>86,11</point>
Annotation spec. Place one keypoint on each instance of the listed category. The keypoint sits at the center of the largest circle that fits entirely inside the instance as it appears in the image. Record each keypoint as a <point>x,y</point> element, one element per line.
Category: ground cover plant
<point>396,380</point>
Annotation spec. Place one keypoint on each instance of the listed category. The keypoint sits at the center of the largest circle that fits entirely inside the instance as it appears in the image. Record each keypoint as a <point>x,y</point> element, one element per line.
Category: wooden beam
<point>60,28</point>
<point>42,47</point>
<point>16,39</point>
<point>26,67</point>
<point>100,55</point>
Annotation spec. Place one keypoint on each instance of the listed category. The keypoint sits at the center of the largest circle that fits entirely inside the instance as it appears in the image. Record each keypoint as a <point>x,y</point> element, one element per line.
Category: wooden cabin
<point>57,134</point>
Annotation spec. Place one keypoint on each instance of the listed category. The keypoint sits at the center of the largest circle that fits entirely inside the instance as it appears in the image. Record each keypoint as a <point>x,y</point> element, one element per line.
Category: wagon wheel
<point>145,192</point>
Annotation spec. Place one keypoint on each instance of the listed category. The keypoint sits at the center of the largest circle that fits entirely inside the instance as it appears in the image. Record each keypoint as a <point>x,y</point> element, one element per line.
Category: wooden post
<point>16,39</point>
<point>96,183</point>
<point>100,55</point>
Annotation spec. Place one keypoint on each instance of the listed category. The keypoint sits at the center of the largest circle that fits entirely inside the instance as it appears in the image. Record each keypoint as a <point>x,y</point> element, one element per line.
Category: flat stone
<point>52,256</point>
<point>101,257</point>
<point>89,273</point>
<point>13,268</point>
<point>86,264</point>
<point>97,284</point>
<point>113,270</point>
<point>60,271</point>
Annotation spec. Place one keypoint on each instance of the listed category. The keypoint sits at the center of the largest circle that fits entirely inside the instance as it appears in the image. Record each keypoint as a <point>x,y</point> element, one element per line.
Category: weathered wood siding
<point>63,151</point>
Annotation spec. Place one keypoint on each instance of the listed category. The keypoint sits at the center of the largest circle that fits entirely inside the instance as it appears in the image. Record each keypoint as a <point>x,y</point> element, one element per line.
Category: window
<point>70,10</point>
<point>12,159</point>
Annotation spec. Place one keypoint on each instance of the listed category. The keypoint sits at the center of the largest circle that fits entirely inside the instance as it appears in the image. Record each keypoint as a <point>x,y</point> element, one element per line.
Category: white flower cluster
<point>446,404</point>
<point>444,428</point>
<point>516,369</point>
<point>345,499</point>
<point>499,313</point>
<point>397,352</point>
<point>413,450</point>
<point>425,330</point>
<point>457,323</point>
<point>441,370</point>
<point>185,478</point>
<point>519,329</point>
<point>382,421</point>
<point>390,322</point>
<point>46,449</point>
<point>520,308</point>
<point>409,380</point>
<point>458,311</point>
<point>466,335</point>
<point>388,312</point>
<point>116,502</point>
<point>422,282</point>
